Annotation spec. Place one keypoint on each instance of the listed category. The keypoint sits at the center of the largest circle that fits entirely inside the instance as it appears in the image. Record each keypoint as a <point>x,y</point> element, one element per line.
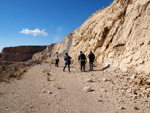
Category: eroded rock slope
<point>117,34</point>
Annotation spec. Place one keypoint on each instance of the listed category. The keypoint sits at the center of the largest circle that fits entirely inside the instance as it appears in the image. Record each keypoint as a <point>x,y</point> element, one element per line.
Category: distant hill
<point>19,53</point>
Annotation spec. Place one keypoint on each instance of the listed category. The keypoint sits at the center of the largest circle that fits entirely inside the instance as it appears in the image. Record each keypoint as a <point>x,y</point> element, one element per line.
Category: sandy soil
<point>47,89</point>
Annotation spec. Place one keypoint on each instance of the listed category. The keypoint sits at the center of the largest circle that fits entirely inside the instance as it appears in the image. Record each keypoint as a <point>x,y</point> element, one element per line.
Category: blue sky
<point>42,22</point>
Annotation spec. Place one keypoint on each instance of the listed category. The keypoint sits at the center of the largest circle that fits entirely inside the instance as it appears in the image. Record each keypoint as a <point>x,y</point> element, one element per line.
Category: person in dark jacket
<point>67,62</point>
<point>82,60</point>
<point>91,60</point>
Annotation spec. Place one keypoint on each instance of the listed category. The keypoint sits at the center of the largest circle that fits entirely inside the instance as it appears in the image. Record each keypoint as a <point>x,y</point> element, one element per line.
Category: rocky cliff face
<point>64,46</point>
<point>19,53</point>
<point>118,35</point>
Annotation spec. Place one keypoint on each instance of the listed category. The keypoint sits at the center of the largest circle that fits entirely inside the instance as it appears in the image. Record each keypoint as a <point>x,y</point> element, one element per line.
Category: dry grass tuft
<point>52,61</point>
<point>15,67</point>
<point>48,78</point>
<point>3,68</point>
<point>58,86</point>
<point>5,78</point>
<point>7,72</point>
<point>18,75</point>
<point>38,61</point>
<point>48,74</point>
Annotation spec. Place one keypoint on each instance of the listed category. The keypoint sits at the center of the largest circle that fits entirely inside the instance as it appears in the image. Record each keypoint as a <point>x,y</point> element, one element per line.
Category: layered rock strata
<point>19,53</point>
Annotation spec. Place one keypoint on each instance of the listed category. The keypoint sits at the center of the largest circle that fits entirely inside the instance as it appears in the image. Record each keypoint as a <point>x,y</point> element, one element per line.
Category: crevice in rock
<point>119,45</point>
<point>107,46</point>
<point>104,37</point>
<point>146,5</point>
<point>105,33</point>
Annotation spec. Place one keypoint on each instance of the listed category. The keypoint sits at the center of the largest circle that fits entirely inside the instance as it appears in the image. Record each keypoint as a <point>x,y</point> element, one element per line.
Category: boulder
<point>87,89</point>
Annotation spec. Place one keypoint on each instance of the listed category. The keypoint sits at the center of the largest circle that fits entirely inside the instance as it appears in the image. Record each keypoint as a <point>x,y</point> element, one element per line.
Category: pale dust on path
<point>47,89</point>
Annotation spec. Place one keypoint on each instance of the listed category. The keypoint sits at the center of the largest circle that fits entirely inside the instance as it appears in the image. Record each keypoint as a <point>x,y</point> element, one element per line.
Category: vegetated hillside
<point>118,35</point>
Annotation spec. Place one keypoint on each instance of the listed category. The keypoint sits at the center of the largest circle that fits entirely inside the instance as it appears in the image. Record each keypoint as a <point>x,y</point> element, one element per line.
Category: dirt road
<point>47,89</point>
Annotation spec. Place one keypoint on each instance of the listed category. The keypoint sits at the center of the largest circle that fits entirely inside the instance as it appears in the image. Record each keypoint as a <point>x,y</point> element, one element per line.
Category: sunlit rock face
<point>117,34</point>
<point>64,46</point>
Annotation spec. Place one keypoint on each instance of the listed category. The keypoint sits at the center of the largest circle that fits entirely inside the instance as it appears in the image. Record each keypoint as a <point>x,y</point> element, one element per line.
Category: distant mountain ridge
<point>19,53</point>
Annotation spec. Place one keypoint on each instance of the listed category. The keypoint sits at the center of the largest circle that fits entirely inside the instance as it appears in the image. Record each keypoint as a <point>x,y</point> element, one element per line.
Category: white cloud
<point>36,32</point>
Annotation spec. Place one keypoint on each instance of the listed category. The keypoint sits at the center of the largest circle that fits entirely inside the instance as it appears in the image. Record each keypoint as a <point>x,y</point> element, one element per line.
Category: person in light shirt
<point>56,59</point>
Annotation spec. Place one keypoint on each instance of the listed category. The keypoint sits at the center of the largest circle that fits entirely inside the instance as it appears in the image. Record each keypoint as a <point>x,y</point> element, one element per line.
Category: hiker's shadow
<point>105,67</point>
<point>102,68</point>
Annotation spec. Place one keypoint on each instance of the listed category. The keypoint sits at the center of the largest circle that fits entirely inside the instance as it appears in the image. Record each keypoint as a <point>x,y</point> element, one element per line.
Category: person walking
<point>67,62</point>
<point>82,60</point>
<point>91,60</point>
<point>56,59</point>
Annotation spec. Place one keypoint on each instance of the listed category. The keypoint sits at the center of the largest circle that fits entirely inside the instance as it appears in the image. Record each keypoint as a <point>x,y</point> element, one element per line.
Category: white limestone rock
<point>87,89</point>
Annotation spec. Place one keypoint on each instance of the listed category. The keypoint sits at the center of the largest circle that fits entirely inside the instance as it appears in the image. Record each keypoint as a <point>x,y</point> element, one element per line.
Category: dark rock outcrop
<point>19,53</point>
